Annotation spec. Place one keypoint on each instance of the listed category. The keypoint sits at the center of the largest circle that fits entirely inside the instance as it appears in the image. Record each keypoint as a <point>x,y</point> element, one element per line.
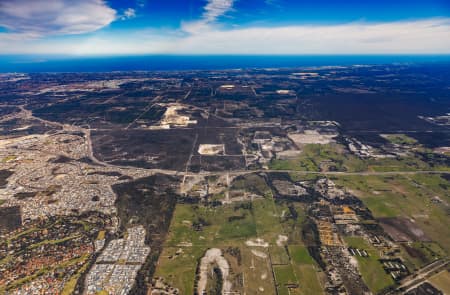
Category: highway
<point>420,276</point>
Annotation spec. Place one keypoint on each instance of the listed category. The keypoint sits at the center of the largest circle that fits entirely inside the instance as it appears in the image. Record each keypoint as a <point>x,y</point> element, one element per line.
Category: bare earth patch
<point>211,149</point>
<point>213,256</point>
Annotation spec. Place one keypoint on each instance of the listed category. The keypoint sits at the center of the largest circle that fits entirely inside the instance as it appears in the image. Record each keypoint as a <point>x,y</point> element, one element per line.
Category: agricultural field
<point>421,199</point>
<point>268,252</point>
<point>442,281</point>
<point>336,157</point>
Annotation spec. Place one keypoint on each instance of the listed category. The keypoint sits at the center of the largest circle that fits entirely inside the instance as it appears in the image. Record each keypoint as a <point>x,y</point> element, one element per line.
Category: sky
<point>189,27</point>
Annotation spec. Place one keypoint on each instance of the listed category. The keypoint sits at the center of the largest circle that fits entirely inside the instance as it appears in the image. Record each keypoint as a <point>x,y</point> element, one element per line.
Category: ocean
<point>29,64</point>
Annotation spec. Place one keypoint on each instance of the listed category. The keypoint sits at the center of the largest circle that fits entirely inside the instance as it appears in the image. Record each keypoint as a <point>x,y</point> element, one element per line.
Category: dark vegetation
<point>10,219</point>
<point>148,201</point>
<point>310,237</point>
<point>4,175</point>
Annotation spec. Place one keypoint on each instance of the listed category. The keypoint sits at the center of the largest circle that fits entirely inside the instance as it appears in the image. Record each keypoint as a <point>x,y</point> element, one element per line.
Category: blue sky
<point>97,27</point>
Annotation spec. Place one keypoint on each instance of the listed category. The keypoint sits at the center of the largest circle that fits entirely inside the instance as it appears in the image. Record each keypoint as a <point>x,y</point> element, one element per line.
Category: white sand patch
<point>310,137</point>
<point>283,91</point>
<point>173,118</point>
<point>211,149</point>
<point>257,243</point>
<point>227,86</point>
<point>282,239</point>
<point>22,128</point>
<point>259,254</point>
<point>214,256</point>
<point>353,261</point>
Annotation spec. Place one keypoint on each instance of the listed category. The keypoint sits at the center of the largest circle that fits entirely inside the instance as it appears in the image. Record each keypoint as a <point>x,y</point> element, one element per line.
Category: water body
<point>20,63</point>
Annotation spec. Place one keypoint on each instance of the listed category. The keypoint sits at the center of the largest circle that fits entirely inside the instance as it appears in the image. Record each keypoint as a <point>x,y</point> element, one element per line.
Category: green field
<point>336,156</point>
<point>185,245</point>
<point>306,270</point>
<point>180,270</point>
<point>267,220</point>
<point>300,255</point>
<point>370,268</point>
<point>217,228</point>
<point>284,275</point>
<point>314,154</point>
<point>412,196</point>
<point>278,255</point>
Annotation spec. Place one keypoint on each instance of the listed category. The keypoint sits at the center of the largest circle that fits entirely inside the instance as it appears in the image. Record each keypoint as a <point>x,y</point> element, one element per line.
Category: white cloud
<point>128,13</point>
<point>408,37</point>
<point>216,8</point>
<point>212,11</point>
<point>47,17</point>
<point>421,36</point>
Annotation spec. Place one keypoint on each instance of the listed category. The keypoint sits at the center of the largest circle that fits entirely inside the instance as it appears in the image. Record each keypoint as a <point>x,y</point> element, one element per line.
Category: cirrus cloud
<point>53,17</point>
<point>211,12</point>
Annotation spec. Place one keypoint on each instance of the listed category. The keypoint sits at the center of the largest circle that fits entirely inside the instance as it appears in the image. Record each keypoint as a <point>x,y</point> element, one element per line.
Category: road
<point>87,132</point>
<point>420,276</point>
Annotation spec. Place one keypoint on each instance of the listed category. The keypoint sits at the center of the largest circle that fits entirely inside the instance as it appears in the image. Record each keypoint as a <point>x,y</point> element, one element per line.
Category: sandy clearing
<point>257,243</point>
<point>259,254</point>
<point>282,239</point>
<point>213,256</point>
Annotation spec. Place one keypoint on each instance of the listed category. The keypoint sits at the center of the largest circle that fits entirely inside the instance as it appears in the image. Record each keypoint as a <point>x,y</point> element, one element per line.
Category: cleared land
<point>249,231</point>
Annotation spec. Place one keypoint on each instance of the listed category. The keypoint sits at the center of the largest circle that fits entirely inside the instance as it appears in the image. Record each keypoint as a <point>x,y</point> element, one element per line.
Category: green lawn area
<point>284,274</point>
<point>267,220</point>
<point>305,269</point>
<point>308,278</point>
<point>370,268</point>
<point>218,227</point>
<point>179,270</point>
<point>300,255</point>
